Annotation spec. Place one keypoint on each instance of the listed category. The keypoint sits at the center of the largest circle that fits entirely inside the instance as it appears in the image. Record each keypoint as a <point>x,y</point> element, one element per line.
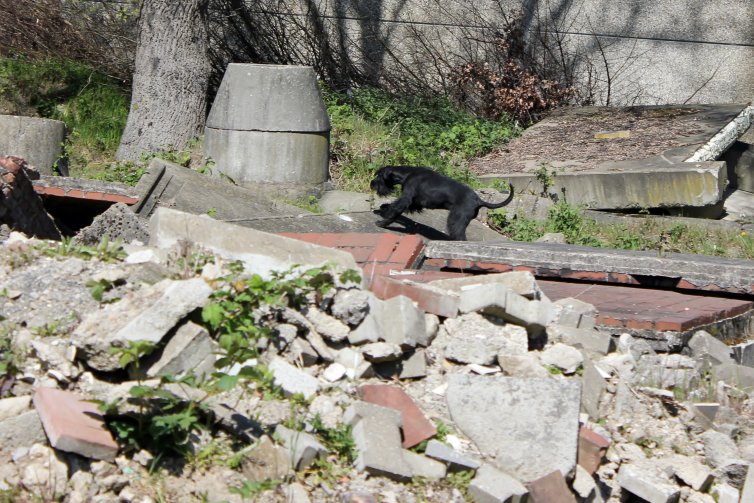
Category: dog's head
<point>383,182</point>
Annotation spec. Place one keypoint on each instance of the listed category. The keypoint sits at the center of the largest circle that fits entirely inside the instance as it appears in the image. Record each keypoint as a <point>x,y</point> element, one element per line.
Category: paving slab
<point>625,157</point>
<point>672,270</point>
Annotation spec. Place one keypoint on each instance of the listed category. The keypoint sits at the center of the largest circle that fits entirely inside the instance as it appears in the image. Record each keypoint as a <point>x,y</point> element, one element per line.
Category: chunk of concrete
<point>691,472</point>
<point>540,414</point>
<point>415,366</point>
<point>415,425</point>
<point>719,448</point>
<point>403,323</point>
<point>146,316</point>
<point>563,357</point>
<point>645,483</point>
<point>21,430</point>
<point>376,432</point>
<point>73,424</point>
<point>381,352</point>
<point>490,485</point>
<point>266,461</point>
<point>293,380</point>
<point>302,353</point>
<point>456,461</point>
<point>328,327</point>
<point>703,346</point>
<point>747,494</point>
<point>744,353</point>
<point>535,315</point>
<point>303,448</point>
<point>588,339</point>
<point>593,386</point>
<point>351,306</point>
<point>262,253</point>
<point>527,365</point>
<point>487,298</point>
<point>370,329</point>
<point>473,338</point>
<point>118,222</point>
<point>14,406</point>
<point>575,313</point>
<point>190,349</point>
<point>424,467</point>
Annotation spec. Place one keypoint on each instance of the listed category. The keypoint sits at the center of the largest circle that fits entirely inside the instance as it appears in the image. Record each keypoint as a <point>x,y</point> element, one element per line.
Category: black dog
<point>423,188</point>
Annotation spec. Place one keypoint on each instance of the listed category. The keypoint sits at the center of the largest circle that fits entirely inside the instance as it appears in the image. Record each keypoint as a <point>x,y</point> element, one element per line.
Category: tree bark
<point>171,74</point>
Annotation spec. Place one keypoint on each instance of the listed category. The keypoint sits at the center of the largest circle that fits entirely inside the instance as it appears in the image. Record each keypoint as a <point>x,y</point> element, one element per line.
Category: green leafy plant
<point>105,251</point>
<point>338,440</point>
<point>11,357</point>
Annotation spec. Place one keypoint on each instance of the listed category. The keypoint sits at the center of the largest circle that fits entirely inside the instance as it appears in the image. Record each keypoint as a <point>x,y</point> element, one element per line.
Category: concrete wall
<point>651,52</point>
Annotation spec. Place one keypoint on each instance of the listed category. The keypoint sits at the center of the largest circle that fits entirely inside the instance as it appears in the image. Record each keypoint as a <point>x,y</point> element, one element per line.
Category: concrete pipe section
<point>269,125</point>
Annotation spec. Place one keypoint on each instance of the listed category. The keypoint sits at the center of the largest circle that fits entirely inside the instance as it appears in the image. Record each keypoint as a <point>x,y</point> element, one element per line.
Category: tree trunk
<point>171,73</point>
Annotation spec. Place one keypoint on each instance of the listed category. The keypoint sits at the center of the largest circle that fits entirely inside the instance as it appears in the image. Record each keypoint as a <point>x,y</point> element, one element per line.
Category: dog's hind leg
<point>458,220</point>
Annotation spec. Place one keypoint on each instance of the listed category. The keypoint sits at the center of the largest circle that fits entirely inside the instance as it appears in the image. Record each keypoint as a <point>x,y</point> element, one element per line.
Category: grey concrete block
<point>293,380</point>
<point>585,338</point>
<point>744,353</point>
<point>455,460</point>
<point>494,486</point>
<point>593,385</point>
<point>376,432</point>
<point>303,448</point>
<point>646,484</point>
<point>488,298</point>
<point>535,315</point>
<point>403,323</point>
<point>39,141</point>
<point>328,327</point>
<point>117,222</point>
<point>541,415</point>
<point>705,347</point>
<point>415,366</point>
<point>739,376</point>
<point>381,352</point>
<point>526,365</point>
<point>261,252</point>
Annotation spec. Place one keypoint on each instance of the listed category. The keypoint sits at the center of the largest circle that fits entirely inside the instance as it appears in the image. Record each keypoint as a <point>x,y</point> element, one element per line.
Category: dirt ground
<point>569,135</point>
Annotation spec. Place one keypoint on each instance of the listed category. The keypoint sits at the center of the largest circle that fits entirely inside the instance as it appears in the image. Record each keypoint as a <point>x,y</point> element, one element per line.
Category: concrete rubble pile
<point>512,398</point>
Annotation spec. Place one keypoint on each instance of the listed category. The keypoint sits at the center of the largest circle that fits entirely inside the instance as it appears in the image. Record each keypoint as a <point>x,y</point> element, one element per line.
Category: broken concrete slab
<point>261,253</point>
<point>377,436</point>
<point>695,272</point>
<point>415,425</point>
<point>704,347</point>
<point>403,323</point>
<point>575,313</point>
<point>148,316</point>
<point>521,282</point>
<point>563,357</point>
<point>266,461</point>
<point>589,339</point>
<point>539,412</point>
<point>73,424</point>
<point>671,144</point>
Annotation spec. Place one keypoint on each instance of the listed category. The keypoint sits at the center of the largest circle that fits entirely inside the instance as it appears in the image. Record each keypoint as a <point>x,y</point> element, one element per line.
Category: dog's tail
<point>508,199</point>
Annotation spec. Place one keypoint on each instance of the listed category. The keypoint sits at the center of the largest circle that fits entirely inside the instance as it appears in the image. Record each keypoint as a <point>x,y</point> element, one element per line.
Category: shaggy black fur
<point>422,188</point>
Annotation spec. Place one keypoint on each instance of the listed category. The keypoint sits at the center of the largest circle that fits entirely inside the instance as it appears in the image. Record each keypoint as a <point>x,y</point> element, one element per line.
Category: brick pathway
<point>619,306</point>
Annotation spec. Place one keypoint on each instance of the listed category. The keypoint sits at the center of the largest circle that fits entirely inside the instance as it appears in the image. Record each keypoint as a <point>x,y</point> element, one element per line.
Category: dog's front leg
<point>391,211</point>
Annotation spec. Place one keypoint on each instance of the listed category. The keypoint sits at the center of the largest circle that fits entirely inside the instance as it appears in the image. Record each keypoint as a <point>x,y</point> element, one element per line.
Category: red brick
<point>49,191</point>
<point>585,275</point>
<point>408,250</point>
<point>416,427</point>
<point>384,248</point>
<point>592,448</point>
<point>551,488</point>
<point>434,263</point>
<point>74,425</point>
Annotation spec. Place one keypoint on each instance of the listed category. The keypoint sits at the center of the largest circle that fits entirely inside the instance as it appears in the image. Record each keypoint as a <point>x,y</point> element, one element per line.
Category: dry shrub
<point>510,82</point>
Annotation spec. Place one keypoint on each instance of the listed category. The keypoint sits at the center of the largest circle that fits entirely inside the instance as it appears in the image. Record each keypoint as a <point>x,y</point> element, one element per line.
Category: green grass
<point>644,234</point>
<point>372,128</point>
<point>93,106</point>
